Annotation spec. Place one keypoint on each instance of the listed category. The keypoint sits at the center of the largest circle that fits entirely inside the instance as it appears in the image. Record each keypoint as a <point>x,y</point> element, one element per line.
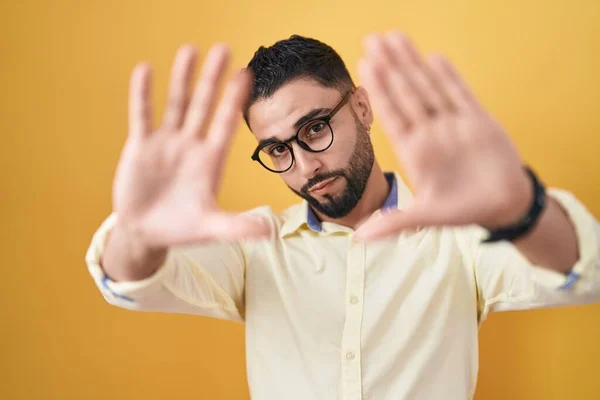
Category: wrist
<point>511,231</point>
<point>514,205</point>
<point>128,257</point>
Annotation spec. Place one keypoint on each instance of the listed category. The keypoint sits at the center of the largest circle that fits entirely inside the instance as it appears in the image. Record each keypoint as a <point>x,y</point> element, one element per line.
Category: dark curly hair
<point>296,58</point>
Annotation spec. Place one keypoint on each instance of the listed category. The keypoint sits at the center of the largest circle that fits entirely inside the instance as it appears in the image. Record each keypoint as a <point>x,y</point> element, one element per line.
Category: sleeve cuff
<point>587,241</point>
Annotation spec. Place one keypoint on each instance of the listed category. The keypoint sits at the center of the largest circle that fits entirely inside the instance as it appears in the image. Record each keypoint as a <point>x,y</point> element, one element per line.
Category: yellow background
<point>64,70</point>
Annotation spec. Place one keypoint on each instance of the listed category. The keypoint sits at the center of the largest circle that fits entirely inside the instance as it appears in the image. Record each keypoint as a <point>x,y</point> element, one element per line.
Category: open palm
<point>167,179</point>
<point>463,166</point>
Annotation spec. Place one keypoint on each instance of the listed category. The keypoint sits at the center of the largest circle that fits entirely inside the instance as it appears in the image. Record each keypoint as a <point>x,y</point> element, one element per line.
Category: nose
<point>307,163</point>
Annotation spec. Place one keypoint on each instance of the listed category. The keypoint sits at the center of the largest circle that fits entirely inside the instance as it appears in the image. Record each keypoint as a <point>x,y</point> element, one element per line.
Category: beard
<point>356,175</point>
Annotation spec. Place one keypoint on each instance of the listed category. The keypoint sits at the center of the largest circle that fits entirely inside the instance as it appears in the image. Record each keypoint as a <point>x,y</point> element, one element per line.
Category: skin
<point>462,164</point>
<point>350,156</point>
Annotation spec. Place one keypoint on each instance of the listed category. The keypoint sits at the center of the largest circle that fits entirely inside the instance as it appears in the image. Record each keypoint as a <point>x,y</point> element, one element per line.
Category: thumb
<point>393,222</point>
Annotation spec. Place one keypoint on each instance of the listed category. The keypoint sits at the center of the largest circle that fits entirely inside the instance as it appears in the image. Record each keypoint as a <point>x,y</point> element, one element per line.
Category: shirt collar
<point>302,216</point>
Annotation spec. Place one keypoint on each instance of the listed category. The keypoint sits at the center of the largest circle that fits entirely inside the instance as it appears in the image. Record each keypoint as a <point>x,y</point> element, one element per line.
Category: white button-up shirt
<point>329,318</point>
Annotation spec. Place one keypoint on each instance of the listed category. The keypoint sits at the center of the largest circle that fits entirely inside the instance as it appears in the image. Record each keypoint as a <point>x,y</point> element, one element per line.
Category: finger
<point>419,73</point>
<point>179,89</point>
<point>203,100</point>
<point>394,122</point>
<point>226,226</point>
<point>140,105</point>
<point>226,121</point>
<point>229,111</point>
<point>401,92</point>
<point>453,84</point>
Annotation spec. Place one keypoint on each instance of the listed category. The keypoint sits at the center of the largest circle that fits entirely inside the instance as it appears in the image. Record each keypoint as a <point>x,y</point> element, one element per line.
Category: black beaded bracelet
<point>529,220</point>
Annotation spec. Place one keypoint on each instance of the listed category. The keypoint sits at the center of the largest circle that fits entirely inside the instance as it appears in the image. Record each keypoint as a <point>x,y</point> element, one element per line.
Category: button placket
<point>351,336</point>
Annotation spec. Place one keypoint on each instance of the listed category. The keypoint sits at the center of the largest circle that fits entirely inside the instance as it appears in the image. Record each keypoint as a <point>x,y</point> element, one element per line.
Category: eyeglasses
<point>314,136</point>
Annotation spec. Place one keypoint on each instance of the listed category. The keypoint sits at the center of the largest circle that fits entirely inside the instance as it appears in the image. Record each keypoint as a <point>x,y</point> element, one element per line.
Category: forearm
<point>126,258</point>
<point>552,243</point>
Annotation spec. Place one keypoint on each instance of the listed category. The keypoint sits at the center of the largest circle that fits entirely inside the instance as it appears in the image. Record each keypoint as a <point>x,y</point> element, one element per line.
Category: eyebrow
<point>310,115</point>
<point>301,121</point>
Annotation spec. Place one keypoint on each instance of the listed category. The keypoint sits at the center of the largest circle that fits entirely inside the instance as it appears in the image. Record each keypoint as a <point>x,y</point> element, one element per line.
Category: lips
<point>321,185</point>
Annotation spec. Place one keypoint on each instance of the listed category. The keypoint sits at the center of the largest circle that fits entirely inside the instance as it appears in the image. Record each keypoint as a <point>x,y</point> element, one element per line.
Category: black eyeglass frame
<point>325,119</point>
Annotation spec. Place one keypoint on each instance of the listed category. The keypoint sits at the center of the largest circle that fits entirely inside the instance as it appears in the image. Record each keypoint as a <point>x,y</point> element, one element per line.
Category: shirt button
<point>350,356</point>
<point>353,300</point>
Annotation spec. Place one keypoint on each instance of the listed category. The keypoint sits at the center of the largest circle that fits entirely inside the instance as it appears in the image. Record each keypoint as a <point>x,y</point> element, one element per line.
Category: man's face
<point>332,181</point>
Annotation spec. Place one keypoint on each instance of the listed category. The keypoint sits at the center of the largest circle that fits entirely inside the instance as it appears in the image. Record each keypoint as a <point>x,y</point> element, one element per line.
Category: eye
<point>277,150</point>
<point>315,128</point>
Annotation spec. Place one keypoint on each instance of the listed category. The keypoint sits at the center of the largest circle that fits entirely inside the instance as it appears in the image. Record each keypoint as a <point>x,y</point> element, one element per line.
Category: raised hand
<point>463,166</point>
<point>167,179</point>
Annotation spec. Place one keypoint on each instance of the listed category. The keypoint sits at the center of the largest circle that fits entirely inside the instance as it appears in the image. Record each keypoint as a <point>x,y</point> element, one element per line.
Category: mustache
<point>320,178</point>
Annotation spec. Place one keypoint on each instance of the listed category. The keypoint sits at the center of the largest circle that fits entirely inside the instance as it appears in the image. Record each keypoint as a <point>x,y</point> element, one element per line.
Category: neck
<point>374,196</point>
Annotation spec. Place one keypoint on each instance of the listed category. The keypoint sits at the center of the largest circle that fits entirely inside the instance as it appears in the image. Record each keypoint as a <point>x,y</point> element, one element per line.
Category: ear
<point>362,106</point>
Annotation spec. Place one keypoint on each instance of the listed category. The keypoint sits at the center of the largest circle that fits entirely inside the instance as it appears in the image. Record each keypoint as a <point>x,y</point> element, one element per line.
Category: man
<point>362,291</point>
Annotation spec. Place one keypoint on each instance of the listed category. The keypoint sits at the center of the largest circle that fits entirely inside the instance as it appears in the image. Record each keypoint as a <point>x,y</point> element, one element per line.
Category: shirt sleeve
<point>206,280</point>
<point>507,280</point>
